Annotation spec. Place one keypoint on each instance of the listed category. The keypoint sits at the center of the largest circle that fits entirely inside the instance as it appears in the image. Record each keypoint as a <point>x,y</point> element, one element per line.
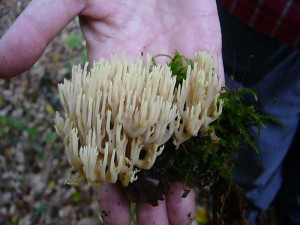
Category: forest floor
<point>33,166</point>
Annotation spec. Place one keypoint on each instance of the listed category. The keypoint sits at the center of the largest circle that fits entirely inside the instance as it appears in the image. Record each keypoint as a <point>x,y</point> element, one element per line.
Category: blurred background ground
<point>33,166</point>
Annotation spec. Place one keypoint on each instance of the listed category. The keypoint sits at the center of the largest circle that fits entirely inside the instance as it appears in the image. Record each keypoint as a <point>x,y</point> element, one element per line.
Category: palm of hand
<point>152,26</point>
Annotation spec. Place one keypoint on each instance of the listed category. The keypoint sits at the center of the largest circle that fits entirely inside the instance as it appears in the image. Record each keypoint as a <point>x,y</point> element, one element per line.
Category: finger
<point>27,38</point>
<point>114,206</point>
<point>149,215</point>
<point>180,210</point>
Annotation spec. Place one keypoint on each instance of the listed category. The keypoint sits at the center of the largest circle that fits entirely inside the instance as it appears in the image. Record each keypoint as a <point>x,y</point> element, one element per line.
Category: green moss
<point>178,65</point>
<point>204,157</point>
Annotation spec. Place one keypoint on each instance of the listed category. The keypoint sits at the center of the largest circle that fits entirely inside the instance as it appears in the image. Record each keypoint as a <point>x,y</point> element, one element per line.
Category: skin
<point>180,206</point>
<point>110,26</point>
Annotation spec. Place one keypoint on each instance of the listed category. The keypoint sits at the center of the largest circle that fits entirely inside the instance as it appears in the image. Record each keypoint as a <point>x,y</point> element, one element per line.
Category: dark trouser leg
<point>274,72</point>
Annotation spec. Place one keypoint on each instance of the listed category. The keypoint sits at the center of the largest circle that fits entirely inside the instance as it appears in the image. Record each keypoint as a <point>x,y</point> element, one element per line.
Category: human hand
<point>113,26</point>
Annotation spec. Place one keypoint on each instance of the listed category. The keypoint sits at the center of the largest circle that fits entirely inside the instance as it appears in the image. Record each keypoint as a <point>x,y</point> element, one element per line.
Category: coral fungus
<point>120,113</point>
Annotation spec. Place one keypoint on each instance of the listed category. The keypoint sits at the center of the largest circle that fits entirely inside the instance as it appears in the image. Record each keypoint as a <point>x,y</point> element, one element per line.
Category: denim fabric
<point>272,69</point>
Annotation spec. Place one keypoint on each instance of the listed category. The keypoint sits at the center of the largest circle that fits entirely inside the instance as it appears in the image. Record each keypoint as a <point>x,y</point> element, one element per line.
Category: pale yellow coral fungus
<point>120,113</point>
<point>197,98</point>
